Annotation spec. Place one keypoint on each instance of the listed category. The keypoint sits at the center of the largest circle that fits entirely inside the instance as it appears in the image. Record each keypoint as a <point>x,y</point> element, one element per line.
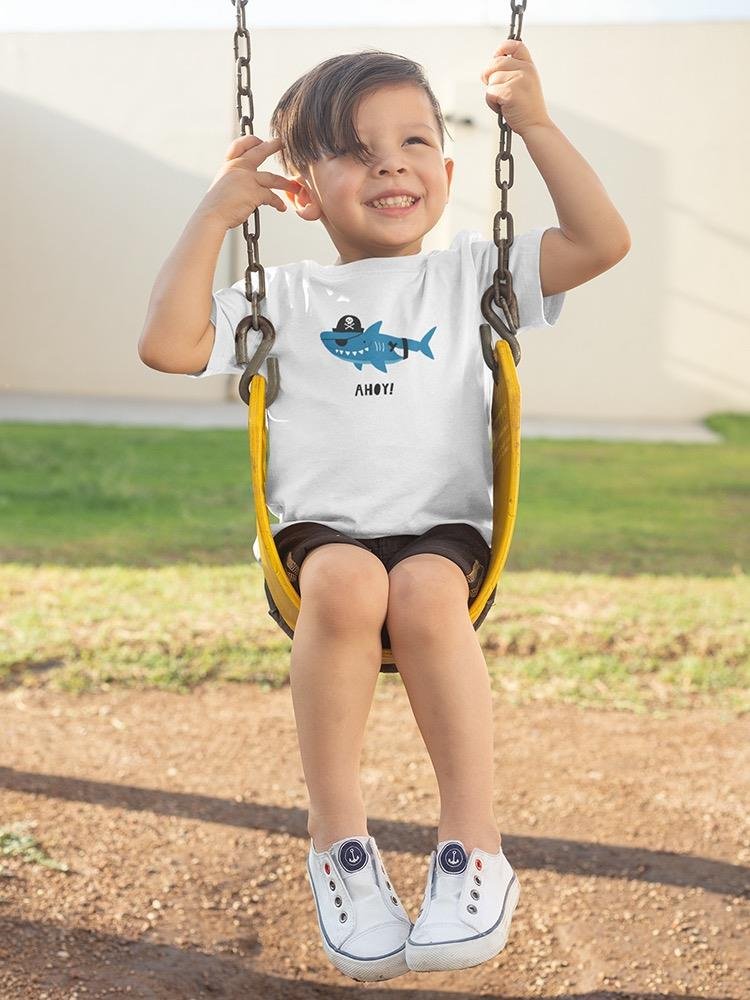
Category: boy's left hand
<point>514,87</point>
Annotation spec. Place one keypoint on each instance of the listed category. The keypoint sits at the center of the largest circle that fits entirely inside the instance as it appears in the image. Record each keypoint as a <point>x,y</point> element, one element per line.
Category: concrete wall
<point>111,139</point>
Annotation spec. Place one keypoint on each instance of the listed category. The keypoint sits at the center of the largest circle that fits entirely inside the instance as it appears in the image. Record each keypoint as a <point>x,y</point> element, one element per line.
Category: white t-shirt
<point>382,421</point>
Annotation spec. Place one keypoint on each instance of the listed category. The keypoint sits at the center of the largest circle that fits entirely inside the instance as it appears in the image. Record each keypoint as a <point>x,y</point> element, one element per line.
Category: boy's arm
<point>178,334</point>
<point>592,236</point>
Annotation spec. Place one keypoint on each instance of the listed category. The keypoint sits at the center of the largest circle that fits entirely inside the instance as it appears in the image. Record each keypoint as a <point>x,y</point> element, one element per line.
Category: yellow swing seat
<point>506,464</point>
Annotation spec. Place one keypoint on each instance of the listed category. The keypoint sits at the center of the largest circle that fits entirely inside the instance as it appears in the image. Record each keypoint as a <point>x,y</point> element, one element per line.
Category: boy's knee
<point>425,590</point>
<point>346,584</point>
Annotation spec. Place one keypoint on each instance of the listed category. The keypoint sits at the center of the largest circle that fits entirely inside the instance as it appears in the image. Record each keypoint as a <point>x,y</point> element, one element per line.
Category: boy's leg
<point>445,675</point>
<point>335,662</point>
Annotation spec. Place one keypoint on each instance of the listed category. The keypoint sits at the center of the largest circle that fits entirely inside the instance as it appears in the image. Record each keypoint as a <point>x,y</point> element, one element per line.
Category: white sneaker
<point>363,926</point>
<point>467,909</point>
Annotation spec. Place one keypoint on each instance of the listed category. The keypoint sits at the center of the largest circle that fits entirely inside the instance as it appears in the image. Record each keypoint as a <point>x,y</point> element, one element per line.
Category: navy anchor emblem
<point>453,859</point>
<point>352,856</point>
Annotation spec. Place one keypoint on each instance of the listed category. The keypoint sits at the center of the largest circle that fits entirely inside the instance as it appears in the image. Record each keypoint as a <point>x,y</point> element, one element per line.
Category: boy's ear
<point>293,195</point>
<point>302,201</point>
<point>449,164</point>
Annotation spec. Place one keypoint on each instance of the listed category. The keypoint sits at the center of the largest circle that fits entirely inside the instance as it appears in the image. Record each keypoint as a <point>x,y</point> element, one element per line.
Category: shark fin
<point>424,344</point>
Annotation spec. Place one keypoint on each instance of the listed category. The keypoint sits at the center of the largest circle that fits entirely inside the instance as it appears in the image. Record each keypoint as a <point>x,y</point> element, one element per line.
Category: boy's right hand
<point>239,188</point>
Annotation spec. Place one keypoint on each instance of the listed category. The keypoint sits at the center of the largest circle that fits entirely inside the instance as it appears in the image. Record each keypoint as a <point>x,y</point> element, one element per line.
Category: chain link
<point>501,293</point>
<point>245,116</point>
<point>255,296</point>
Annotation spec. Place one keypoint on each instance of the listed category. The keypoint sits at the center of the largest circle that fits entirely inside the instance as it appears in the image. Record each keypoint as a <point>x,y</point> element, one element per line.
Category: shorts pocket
<point>474,578</point>
<point>291,568</point>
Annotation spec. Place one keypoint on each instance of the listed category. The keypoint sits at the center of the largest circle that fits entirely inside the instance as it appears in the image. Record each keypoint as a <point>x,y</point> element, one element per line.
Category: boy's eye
<point>417,137</point>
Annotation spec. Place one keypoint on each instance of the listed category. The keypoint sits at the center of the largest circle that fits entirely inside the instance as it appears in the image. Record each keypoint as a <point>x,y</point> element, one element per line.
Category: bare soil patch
<point>183,821</point>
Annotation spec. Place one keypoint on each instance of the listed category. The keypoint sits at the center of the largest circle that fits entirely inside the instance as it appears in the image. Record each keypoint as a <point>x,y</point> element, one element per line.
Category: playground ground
<point>181,819</point>
<point>152,808</point>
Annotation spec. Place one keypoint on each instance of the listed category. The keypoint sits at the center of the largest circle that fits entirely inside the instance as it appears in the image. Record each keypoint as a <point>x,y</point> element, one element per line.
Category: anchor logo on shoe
<point>352,856</point>
<point>453,859</point>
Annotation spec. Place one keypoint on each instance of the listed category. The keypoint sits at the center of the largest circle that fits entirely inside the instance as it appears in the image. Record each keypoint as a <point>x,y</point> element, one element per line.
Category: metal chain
<point>500,293</point>
<point>255,319</point>
<point>244,90</point>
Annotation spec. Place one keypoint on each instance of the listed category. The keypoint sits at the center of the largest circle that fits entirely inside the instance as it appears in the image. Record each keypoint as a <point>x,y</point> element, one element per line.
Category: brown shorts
<point>460,543</point>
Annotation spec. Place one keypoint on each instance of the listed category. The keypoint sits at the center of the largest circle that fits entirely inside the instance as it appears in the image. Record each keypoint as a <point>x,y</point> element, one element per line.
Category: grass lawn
<point>128,561</point>
<point>638,642</point>
<point>79,495</point>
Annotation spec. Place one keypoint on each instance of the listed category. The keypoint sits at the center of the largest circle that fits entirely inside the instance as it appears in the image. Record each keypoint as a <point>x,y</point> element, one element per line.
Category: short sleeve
<point>228,307</point>
<point>534,309</point>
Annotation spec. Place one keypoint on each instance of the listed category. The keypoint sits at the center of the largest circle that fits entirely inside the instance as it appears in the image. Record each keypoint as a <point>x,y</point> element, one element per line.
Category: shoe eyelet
<point>332,884</point>
<point>474,894</point>
<point>471,908</point>
<point>343,917</point>
<point>478,863</point>
<point>388,884</point>
<point>327,868</point>
<point>337,901</point>
<point>478,880</point>
<point>394,900</point>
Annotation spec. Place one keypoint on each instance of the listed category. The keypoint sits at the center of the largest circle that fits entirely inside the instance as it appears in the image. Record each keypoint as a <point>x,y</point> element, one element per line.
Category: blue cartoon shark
<point>350,342</point>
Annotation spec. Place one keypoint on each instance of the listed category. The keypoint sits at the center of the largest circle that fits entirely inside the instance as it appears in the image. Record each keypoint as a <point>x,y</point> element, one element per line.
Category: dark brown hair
<point>315,117</point>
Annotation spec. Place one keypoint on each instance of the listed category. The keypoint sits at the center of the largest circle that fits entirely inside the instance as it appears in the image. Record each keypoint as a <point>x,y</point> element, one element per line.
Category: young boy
<point>380,468</point>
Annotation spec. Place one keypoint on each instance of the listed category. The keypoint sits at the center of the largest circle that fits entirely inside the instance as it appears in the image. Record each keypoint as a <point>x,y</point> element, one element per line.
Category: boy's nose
<point>392,159</point>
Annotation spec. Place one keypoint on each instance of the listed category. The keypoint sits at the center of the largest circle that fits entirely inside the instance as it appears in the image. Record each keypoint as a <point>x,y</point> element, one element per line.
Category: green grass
<point>86,495</point>
<point>638,642</point>
<point>591,506</point>
<point>81,495</point>
<point>128,562</point>
<point>16,841</point>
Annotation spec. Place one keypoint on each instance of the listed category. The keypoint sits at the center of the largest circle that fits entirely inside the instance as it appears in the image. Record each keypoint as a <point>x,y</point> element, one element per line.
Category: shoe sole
<point>364,970</point>
<point>447,955</point>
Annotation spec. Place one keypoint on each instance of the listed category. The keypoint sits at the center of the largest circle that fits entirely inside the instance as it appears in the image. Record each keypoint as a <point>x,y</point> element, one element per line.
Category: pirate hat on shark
<point>350,342</point>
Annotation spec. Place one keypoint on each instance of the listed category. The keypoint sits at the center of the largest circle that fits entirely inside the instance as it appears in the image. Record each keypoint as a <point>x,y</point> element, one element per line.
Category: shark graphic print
<point>349,341</point>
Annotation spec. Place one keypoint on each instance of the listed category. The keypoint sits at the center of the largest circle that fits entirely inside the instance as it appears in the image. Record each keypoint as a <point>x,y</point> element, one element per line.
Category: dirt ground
<point>183,821</point>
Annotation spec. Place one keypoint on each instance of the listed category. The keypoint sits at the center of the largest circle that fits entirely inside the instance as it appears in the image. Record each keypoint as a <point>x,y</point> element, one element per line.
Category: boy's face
<point>398,126</point>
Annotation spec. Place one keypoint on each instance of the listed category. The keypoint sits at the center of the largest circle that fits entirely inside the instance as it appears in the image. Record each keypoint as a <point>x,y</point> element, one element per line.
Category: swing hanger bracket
<point>506,330</point>
<point>252,366</point>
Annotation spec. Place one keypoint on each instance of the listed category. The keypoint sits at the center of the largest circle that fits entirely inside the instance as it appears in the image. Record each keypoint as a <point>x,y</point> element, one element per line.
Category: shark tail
<point>424,344</point>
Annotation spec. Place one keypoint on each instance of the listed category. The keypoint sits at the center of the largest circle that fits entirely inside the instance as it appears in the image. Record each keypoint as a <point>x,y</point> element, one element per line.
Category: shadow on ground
<point>547,853</point>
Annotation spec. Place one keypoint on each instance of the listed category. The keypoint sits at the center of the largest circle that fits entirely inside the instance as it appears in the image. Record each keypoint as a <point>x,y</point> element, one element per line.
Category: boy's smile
<point>385,207</point>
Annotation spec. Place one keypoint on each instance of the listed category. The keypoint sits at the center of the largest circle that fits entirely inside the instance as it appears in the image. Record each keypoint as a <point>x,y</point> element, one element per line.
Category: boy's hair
<point>315,117</point>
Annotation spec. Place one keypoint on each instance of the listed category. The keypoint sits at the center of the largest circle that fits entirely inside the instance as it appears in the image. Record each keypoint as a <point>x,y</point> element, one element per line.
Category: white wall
<point>111,139</point>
